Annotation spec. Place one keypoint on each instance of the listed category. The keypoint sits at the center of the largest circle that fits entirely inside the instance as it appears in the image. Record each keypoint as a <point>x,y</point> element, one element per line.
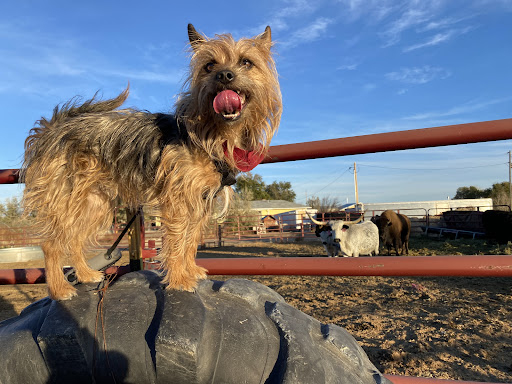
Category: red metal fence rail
<point>393,141</point>
<point>380,142</point>
<point>9,176</point>
<point>451,265</point>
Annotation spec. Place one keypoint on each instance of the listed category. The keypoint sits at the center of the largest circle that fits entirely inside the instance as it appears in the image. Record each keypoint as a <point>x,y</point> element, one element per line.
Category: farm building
<point>274,207</point>
<point>430,208</point>
<point>288,215</point>
<point>269,221</point>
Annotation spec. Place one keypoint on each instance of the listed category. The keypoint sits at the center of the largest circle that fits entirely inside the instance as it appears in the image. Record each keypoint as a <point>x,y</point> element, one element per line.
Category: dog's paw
<point>185,280</point>
<point>180,283</point>
<point>90,276</point>
<point>199,273</point>
<point>63,293</point>
<point>189,286</point>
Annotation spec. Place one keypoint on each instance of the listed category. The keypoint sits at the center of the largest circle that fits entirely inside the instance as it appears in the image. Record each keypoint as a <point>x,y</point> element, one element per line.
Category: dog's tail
<point>72,108</point>
<point>34,144</point>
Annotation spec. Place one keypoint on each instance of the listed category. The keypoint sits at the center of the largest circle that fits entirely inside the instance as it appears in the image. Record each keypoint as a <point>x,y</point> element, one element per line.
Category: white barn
<point>422,208</point>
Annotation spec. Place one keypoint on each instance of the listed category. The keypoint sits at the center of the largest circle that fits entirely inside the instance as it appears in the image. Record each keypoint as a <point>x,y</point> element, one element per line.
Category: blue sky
<point>347,68</point>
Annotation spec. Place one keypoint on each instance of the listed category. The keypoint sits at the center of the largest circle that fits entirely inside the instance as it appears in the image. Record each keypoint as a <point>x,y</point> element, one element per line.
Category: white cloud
<point>413,19</point>
<point>410,18</point>
<point>37,62</point>
<point>287,9</point>
<point>375,10</point>
<point>295,8</point>
<point>442,23</point>
<point>457,110</point>
<point>418,75</point>
<point>168,77</point>
<point>348,67</point>
<point>434,40</point>
<point>438,39</point>
<point>310,33</point>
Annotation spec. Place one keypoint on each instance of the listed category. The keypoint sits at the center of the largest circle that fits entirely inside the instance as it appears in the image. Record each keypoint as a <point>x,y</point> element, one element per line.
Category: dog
<point>88,155</point>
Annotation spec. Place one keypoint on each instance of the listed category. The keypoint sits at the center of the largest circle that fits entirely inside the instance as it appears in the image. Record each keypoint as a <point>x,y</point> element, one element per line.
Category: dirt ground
<point>448,327</point>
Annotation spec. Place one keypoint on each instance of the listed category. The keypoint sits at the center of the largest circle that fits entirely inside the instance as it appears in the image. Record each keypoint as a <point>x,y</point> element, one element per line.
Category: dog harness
<point>227,173</point>
<point>171,132</point>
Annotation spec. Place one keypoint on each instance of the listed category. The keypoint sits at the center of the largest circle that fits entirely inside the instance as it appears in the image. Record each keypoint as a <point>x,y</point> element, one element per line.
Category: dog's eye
<point>246,63</point>
<point>209,67</point>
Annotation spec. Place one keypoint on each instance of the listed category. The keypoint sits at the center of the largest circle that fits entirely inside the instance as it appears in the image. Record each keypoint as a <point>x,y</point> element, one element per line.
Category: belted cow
<point>353,239</point>
<point>394,231</point>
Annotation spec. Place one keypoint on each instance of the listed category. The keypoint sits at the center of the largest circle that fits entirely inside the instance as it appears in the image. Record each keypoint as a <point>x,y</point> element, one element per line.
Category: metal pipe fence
<point>283,228</point>
<point>394,141</point>
<point>377,266</point>
<point>448,265</point>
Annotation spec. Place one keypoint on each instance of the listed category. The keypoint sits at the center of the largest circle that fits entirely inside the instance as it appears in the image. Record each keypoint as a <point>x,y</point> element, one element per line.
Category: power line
<point>320,190</point>
<point>412,169</point>
<point>430,169</point>
<point>402,169</point>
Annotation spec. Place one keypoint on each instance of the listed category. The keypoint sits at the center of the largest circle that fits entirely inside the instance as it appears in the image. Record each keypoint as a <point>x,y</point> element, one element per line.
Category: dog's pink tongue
<point>227,101</point>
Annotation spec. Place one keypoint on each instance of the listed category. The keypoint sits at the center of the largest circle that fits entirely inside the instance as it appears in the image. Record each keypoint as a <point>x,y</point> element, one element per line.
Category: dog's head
<point>233,104</point>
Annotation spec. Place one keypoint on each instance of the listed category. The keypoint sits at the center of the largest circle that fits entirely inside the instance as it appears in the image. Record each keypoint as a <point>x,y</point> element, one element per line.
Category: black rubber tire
<point>236,331</point>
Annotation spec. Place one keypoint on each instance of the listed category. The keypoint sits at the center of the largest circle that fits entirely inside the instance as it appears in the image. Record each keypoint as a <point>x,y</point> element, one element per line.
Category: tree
<point>252,187</point>
<point>11,213</point>
<point>499,192</point>
<point>281,190</point>
<point>325,204</point>
<point>471,192</point>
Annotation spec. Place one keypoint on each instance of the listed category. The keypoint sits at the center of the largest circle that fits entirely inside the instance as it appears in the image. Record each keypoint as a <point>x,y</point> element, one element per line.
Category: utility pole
<point>355,185</point>
<point>509,181</point>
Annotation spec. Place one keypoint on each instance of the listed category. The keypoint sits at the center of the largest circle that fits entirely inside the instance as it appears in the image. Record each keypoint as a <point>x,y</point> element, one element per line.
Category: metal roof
<point>276,204</point>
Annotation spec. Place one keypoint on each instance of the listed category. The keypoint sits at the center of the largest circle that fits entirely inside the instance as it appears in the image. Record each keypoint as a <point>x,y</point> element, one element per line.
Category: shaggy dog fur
<point>86,157</point>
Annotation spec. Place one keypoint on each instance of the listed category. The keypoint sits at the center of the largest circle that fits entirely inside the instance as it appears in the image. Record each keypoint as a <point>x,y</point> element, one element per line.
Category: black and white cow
<point>353,238</point>
<point>324,232</point>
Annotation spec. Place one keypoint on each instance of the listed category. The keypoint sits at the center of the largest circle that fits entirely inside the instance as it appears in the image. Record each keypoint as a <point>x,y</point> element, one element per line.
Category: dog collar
<point>245,161</point>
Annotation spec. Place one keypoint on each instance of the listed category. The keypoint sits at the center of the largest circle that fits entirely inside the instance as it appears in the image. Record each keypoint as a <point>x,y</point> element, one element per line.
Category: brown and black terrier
<point>80,162</point>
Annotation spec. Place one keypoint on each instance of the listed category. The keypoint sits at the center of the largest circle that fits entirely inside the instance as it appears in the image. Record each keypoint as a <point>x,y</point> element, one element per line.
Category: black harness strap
<point>227,173</point>
<point>121,235</point>
<point>104,260</point>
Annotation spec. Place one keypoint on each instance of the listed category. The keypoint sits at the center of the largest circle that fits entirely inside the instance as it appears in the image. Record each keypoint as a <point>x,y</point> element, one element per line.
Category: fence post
<point>238,225</point>
<point>202,243</point>
<point>135,237</point>
<point>219,234</point>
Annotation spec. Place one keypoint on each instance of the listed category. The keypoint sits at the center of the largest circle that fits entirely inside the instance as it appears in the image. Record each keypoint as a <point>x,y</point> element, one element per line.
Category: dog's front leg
<point>58,287</point>
<point>182,232</point>
<point>188,181</point>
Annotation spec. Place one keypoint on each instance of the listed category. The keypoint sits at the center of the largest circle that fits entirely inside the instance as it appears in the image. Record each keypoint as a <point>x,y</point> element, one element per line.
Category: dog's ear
<point>265,36</point>
<point>194,37</point>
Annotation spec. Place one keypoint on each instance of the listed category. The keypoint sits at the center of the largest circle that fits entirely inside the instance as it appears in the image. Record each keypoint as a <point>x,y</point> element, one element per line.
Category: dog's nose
<point>336,240</point>
<point>225,76</point>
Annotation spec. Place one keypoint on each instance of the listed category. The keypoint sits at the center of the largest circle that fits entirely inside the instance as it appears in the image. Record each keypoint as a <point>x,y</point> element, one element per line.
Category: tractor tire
<point>237,331</point>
